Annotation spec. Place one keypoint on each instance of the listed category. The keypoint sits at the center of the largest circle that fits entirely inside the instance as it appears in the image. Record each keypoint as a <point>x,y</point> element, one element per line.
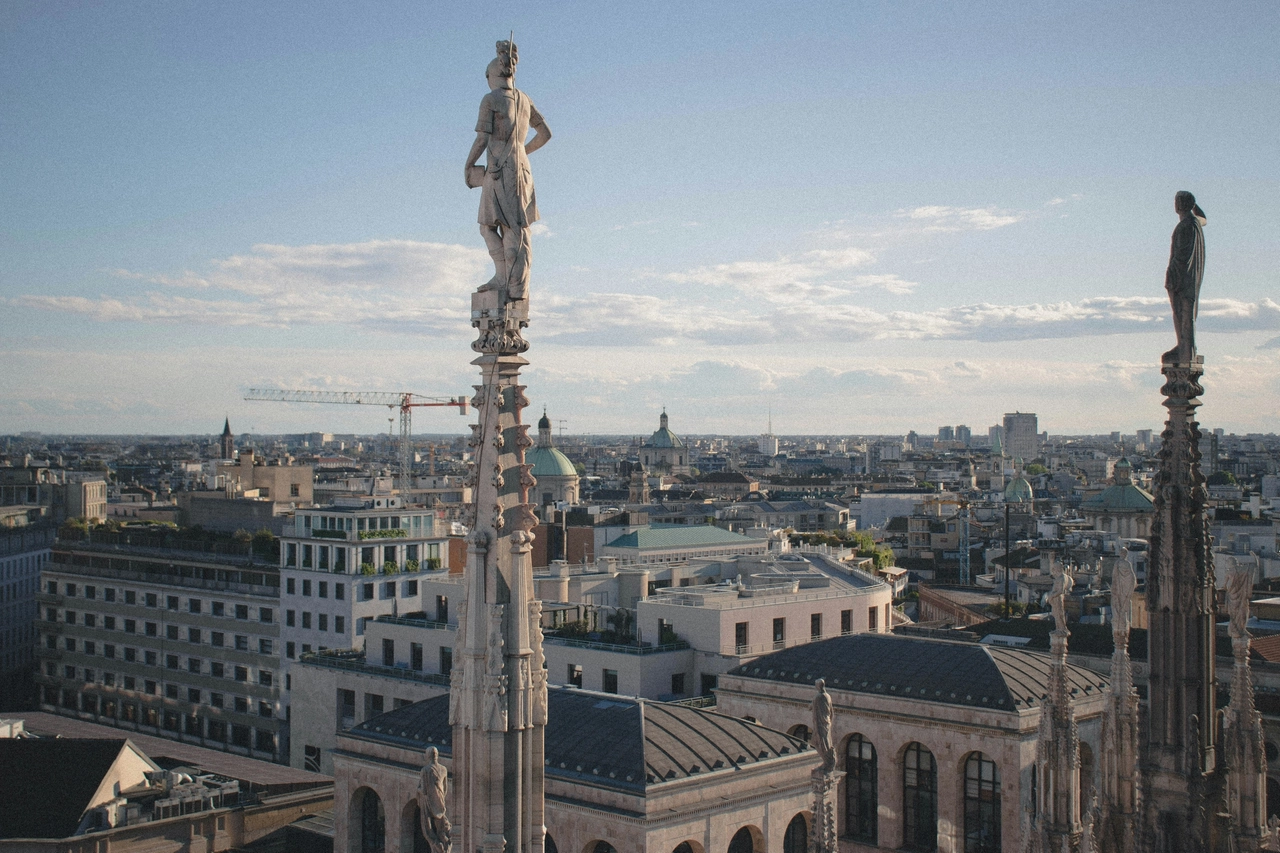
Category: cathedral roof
<point>922,670</point>
<point>606,740</point>
<point>549,462</point>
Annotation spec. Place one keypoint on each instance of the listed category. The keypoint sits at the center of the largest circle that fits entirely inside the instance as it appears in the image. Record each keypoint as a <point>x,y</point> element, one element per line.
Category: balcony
<point>53,598</point>
<point>353,660</point>
<point>645,649</point>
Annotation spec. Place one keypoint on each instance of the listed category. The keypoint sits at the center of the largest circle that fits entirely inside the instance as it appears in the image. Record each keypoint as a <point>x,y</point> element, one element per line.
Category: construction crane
<point>963,517</point>
<point>405,401</point>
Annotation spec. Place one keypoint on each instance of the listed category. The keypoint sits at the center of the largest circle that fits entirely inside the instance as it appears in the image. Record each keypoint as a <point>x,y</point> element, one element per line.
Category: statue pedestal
<point>825,837</point>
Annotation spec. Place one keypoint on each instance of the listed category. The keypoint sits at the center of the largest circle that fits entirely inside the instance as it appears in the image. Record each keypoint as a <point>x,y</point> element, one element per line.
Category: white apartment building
<point>165,643</point>
<point>343,565</point>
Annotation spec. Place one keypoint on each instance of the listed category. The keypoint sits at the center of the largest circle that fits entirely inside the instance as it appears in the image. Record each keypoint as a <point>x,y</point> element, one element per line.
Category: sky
<point>847,218</point>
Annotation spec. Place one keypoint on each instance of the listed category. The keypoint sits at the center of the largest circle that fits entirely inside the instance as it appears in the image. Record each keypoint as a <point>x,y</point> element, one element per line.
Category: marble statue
<point>436,828</point>
<point>1123,583</point>
<point>1239,591</point>
<point>822,716</point>
<point>507,203</point>
<point>1062,584</point>
<point>1186,270</point>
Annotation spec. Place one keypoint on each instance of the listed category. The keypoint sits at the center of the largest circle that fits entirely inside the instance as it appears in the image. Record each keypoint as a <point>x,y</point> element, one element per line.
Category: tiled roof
<point>678,536</point>
<point>600,738</point>
<point>922,670</point>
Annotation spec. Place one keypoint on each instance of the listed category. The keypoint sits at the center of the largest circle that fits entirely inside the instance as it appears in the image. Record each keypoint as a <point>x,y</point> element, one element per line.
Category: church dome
<point>1019,491</point>
<point>549,462</point>
<point>664,437</point>
<point>544,422</point>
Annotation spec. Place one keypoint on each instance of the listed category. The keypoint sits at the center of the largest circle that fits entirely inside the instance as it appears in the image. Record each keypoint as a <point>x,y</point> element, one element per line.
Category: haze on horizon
<point>866,219</point>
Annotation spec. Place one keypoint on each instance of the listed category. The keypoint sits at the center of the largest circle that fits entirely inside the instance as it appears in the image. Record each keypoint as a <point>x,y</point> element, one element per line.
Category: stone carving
<point>436,828</point>
<point>495,691</point>
<point>539,663</point>
<point>1186,271</point>
<point>1062,584</point>
<point>822,716</point>
<point>1123,583</point>
<point>507,203</point>
<point>1239,591</point>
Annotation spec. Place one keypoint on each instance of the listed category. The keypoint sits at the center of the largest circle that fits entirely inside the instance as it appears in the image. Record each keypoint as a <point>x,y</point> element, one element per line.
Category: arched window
<point>549,844</point>
<point>1273,797</point>
<point>683,847</point>
<point>796,838</point>
<point>800,732</point>
<point>861,799</point>
<point>1086,778</point>
<point>919,799</point>
<point>603,847</point>
<point>742,842</point>
<point>373,823</point>
<point>981,805</point>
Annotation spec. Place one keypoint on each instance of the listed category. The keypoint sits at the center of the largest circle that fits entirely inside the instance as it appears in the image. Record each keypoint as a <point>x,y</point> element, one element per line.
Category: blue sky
<point>868,217</point>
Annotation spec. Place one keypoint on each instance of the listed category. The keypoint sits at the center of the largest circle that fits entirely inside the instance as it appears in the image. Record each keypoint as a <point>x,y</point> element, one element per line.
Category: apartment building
<point>344,565</point>
<point>164,643</point>
<point>24,551</point>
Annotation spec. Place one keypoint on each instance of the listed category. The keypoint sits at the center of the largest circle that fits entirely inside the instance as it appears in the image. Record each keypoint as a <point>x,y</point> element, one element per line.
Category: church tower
<point>228,443</point>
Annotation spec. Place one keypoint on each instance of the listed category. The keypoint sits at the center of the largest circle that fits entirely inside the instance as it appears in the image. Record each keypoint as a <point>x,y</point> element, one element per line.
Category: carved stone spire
<point>1118,776</point>
<point>1242,742</point>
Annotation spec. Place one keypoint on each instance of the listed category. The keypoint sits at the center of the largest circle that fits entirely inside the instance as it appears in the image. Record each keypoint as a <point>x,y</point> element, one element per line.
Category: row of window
<point>335,557</point>
<point>742,630</point>
<point>240,642</point>
<point>114,708</point>
<point>321,621</point>
<point>152,600</point>
<point>150,687</point>
<point>150,657</point>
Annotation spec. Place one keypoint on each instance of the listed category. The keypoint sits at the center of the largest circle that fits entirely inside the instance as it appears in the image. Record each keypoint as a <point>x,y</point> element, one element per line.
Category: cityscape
<point>811,475</point>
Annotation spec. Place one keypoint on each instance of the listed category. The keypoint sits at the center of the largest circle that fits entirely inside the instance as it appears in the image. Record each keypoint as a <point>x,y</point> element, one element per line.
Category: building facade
<point>24,552</point>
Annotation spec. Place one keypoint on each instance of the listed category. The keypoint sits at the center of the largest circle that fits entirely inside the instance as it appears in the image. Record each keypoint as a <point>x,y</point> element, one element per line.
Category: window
<point>129,683</point>
<point>367,593</point>
<point>109,594</point>
<point>242,673</point>
<point>217,731</point>
<point>219,609</point>
<point>324,589</point>
<point>150,658</point>
<point>130,626</point>
<point>216,638</point>
<point>171,602</point>
<point>410,589</point>
<point>311,758</point>
<point>242,643</point>
<point>741,637</point>
<point>446,660</point>
<point>677,683</point>
<point>846,622</point>
<point>215,699</point>
<point>150,600</point>
<point>290,651</point>
<point>171,661</point>
<point>609,679</point>
<point>815,626</point>
<point>872,614</point>
<point>415,656</point>
<point>108,650</point>
<point>90,647</point>
<point>217,669</point>
<point>340,591</point>
<point>69,672</point>
<point>339,624</point>
<point>575,674</point>
<point>242,705</point>
<point>193,605</point>
<point>264,646</point>
<point>389,589</point>
<point>193,695</point>
<point>151,688</point>
<point>130,597</point>
<point>90,592</point>
<point>289,587</point>
<point>71,590</point>
<point>861,799</point>
<point>70,643</point>
<point>322,621</point>
<point>109,622</point>
<point>130,654</point>
<point>981,805</point>
<point>152,629</point>
<point>52,587</point>
<point>88,675</point>
<point>193,665</point>
<point>242,611</point>
<point>193,635</point>
<point>91,620</point>
<point>70,617</point>
<point>388,652</point>
<point>372,705</point>
<point>346,707</point>
<point>306,619</point>
<point>295,490</point>
<point>171,691</point>
<point>779,632</point>
<point>265,709</point>
<point>306,587</point>
<point>290,618</point>
<point>171,632</point>
<point>919,799</point>
<point>265,615</point>
<point>265,678</point>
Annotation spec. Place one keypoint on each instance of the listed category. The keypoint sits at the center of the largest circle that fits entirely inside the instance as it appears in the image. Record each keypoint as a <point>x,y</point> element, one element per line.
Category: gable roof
<point>612,741</point>
<point>62,775</point>
<point>922,670</point>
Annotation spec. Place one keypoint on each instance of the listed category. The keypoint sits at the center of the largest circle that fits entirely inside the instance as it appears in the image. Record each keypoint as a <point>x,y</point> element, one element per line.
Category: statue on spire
<point>507,203</point>
<point>1186,271</point>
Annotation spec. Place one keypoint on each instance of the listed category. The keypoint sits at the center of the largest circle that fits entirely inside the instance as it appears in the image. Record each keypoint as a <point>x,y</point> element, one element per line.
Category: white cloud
<point>943,218</point>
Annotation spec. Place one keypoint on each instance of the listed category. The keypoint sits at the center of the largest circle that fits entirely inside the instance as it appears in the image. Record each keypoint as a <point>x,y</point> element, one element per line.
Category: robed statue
<point>507,203</point>
<point>436,828</point>
<point>1062,584</point>
<point>822,717</point>
<point>1186,271</point>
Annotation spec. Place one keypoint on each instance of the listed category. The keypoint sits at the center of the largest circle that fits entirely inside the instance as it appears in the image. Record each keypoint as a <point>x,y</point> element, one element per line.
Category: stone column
<point>1242,741</point>
<point>1180,759</point>
<point>1118,777</point>
<point>1057,826</point>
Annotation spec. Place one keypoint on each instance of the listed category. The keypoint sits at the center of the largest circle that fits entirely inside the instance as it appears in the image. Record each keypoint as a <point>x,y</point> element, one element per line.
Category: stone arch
<point>981,797</point>
<point>599,846</point>
<point>796,837</point>
<point>1273,797</point>
<point>861,789</point>
<point>919,797</point>
<point>411,838</point>
<point>549,844</point>
<point>800,731</point>
<point>366,822</point>
<point>689,846</point>
<point>748,839</point>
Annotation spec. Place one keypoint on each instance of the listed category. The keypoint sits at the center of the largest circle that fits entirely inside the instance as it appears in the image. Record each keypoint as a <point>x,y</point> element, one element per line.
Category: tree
<point>1033,469</point>
<point>242,537</point>
<point>1221,478</point>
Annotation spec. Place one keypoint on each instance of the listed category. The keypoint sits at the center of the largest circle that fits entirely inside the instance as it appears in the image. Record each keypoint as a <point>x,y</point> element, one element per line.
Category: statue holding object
<point>507,203</point>
<point>436,828</point>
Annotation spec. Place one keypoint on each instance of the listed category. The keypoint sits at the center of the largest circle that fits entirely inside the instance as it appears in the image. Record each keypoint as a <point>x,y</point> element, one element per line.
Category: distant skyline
<point>868,218</point>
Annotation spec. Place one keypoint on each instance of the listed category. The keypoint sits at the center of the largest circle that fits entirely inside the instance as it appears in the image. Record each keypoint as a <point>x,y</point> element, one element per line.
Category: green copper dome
<point>1019,491</point>
<point>549,462</point>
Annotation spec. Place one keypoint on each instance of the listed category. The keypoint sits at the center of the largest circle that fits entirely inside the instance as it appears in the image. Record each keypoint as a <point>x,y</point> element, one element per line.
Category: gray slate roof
<point>46,785</point>
<point>922,670</point>
<point>600,739</point>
